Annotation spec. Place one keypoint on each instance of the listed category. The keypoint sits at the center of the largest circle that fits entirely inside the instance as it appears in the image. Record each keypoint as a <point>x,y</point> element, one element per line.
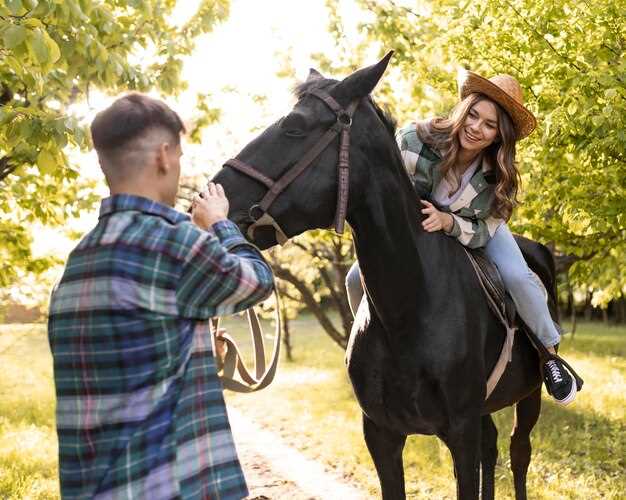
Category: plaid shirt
<point>473,225</point>
<point>140,411</point>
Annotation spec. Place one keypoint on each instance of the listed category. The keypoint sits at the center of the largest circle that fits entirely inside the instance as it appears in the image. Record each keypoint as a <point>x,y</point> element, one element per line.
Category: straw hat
<point>506,91</point>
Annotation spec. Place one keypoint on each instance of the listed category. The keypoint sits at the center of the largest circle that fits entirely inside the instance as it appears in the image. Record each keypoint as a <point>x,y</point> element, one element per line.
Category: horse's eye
<point>294,133</point>
<point>292,125</point>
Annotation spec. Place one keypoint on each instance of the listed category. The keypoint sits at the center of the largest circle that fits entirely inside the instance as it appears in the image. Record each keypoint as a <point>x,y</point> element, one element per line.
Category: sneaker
<point>559,382</point>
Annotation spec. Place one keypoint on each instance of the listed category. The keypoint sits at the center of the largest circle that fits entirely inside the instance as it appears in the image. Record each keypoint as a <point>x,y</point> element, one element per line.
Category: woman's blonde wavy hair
<point>443,134</point>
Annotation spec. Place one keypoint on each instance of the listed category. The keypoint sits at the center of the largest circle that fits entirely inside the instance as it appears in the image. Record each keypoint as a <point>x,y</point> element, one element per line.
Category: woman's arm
<point>474,232</point>
<point>418,159</point>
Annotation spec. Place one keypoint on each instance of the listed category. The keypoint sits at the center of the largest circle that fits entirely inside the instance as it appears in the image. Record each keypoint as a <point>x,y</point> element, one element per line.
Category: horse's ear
<point>314,75</point>
<point>362,82</point>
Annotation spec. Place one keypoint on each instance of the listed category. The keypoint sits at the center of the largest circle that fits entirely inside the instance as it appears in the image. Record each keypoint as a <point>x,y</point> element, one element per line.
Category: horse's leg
<point>526,415</point>
<point>463,440</point>
<point>488,456</point>
<point>386,448</point>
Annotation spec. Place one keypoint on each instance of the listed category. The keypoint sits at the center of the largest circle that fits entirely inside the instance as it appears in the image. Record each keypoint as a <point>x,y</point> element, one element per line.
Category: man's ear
<point>163,158</point>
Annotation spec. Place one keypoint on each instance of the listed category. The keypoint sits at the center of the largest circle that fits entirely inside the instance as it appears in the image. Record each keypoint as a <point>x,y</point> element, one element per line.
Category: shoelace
<point>554,371</point>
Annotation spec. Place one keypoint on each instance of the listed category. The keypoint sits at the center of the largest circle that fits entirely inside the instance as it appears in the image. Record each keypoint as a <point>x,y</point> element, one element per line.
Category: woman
<point>466,164</point>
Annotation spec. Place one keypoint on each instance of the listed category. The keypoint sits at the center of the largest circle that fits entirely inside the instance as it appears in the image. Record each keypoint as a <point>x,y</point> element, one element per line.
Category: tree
<point>52,53</point>
<point>569,58</point>
<point>312,270</point>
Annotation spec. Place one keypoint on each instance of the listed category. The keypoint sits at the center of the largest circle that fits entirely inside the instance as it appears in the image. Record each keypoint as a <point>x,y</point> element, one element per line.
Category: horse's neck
<point>388,238</point>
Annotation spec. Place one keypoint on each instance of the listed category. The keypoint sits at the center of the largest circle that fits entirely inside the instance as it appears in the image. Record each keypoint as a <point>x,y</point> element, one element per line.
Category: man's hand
<point>209,207</point>
<point>436,220</point>
<point>221,348</point>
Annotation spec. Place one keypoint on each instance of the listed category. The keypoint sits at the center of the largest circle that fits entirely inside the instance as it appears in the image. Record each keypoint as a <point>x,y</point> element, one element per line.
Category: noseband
<point>259,211</point>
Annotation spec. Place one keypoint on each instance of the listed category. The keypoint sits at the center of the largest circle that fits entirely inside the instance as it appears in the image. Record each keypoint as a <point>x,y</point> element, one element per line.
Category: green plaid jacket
<point>473,224</point>
<point>140,412</point>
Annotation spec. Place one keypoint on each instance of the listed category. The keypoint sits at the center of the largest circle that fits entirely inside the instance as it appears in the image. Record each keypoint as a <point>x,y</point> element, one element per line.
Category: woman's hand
<point>436,220</point>
<point>209,207</point>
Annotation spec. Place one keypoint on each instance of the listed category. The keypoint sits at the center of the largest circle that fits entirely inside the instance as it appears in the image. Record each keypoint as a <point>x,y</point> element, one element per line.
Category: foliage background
<point>569,58</point>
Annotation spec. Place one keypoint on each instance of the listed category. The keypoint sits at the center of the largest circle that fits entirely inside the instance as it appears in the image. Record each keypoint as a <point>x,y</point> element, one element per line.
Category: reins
<point>233,362</point>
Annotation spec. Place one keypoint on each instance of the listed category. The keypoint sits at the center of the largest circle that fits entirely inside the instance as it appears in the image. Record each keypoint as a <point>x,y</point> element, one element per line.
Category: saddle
<point>502,305</point>
<point>493,285</point>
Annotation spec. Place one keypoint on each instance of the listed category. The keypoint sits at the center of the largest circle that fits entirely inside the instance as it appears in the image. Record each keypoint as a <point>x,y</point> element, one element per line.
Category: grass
<point>28,445</point>
<point>578,452</point>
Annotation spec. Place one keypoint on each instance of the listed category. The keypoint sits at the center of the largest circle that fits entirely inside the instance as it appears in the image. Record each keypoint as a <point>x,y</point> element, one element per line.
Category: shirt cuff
<point>228,233</point>
<point>455,232</point>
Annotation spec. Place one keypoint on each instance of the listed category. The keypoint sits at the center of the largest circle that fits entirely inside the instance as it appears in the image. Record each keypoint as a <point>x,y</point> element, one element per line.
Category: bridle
<point>233,361</point>
<point>259,211</point>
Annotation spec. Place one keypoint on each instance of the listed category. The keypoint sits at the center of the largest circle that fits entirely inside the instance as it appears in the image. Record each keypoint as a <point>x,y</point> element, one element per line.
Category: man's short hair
<point>129,118</point>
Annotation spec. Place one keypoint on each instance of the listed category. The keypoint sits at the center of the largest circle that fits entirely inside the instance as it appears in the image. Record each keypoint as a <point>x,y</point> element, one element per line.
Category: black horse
<point>424,341</point>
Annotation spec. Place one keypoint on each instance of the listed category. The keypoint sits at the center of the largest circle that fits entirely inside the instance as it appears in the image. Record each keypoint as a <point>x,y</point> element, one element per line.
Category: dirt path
<point>276,471</point>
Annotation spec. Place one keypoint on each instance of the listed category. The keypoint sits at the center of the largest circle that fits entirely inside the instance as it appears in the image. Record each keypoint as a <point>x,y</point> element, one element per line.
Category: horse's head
<point>293,177</point>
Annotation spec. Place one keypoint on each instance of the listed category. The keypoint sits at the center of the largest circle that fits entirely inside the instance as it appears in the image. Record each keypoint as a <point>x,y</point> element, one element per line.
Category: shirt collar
<point>121,202</point>
<point>486,164</point>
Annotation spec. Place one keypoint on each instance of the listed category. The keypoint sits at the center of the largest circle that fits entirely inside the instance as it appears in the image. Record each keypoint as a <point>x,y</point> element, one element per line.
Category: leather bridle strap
<point>250,171</point>
<point>343,173</point>
<point>301,165</point>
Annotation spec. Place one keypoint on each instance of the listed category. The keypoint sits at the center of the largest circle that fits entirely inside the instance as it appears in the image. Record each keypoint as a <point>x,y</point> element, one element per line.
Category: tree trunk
<point>339,298</point>
<point>620,310</point>
<point>572,305</point>
<point>588,307</point>
<point>286,335</point>
<point>317,311</point>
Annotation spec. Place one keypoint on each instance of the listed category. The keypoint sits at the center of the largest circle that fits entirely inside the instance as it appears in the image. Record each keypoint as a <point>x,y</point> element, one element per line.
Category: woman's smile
<point>470,137</point>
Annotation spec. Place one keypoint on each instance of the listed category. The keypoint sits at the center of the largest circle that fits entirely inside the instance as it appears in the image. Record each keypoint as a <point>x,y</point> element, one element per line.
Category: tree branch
<point>313,306</point>
<point>401,7</point>
<point>6,168</point>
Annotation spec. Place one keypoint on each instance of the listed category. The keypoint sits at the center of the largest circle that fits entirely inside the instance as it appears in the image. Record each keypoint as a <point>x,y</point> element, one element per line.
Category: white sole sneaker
<point>569,398</point>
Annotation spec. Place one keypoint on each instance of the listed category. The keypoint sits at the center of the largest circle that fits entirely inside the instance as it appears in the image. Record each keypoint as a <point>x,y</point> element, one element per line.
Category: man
<point>140,411</point>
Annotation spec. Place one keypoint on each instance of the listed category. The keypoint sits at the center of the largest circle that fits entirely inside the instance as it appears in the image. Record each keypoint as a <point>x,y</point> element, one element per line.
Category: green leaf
<point>572,108</point>
<point>33,23</point>
<point>46,162</point>
<point>39,47</point>
<point>49,50</point>
<point>14,36</point>
<point>15,6</point>
<point>53,49</point>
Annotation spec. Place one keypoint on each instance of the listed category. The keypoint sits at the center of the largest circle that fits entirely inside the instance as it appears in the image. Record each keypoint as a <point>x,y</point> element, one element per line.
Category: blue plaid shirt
<point>140,411</point>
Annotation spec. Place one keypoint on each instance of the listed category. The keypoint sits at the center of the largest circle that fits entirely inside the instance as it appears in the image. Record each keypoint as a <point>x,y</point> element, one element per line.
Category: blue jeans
<point>518,280</point>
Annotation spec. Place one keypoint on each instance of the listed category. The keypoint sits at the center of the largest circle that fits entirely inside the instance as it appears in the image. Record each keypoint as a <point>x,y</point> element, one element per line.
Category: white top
<point>442,191</point>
